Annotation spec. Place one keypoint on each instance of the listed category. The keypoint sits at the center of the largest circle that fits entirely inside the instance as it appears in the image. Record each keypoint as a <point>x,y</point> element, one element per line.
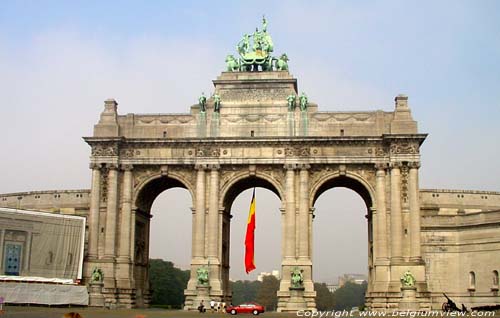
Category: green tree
<point>167,283</point>
<point>267,294</point>
<point>244,291</point>
<point>324,298</point>
<point>350,295</point>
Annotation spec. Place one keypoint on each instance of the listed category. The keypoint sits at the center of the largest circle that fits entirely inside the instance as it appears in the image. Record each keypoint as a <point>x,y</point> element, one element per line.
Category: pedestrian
<point>201,307</point>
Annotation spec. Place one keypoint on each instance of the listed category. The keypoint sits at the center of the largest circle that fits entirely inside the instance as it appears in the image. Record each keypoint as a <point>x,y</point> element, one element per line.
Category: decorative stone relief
<point>332,118</point>
<point>404,148</point>
<point>253,94</point>
<point>297,151</point>
<point>127,153</point>
<point>404,183</point>
<point>188,174</point>
<point>208,152</point>
<point>104,183</point>
<point>380,152</point>
<point>141,173</point>
<point>105,149</point>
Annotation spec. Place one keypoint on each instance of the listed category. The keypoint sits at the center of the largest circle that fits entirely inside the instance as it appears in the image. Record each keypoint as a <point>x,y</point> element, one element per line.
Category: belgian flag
<point>249,237</point>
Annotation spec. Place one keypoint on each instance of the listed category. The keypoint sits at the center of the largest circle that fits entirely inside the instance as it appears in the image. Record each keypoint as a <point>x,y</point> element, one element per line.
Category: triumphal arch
<point>255,130</point>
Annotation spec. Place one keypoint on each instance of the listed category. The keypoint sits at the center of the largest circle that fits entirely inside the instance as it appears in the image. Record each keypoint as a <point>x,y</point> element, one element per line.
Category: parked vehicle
<point>245,308</point>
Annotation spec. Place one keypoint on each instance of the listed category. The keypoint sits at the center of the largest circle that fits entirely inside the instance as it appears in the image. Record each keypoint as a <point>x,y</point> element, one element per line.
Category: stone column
<point>111,212</point>
<point>95,198</point>
<point>381,249</point>
<point>304,212</point>
<point>290,212</point>
<point>2,238</point>
<point>126,211</point>
<point>213,213</point>
<point>396,218</point>
<point>193,232</point>
<point>132,235</point>
<point>415,253</point>
<point>199,246</point>
<point>27,252</point>
<point>311,219</point>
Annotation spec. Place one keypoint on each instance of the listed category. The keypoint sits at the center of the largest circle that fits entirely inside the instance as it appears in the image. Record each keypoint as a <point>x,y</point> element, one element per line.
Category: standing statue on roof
<point>216,103</point>
<point>202,101</point>
<point>303,101</point>
<point>291,102</point>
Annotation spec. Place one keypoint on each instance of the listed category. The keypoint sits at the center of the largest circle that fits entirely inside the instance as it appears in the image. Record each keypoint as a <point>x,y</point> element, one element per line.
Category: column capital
<point>94,165</point>
<point>396,165</point>
<point>414,164</point>
<point>112,166</point>
<point>290,166</point>
<point>381,166</point>
<point>200,166</point>
<point>127,167</point>
<point>304,166</point>
<point>214,167</point>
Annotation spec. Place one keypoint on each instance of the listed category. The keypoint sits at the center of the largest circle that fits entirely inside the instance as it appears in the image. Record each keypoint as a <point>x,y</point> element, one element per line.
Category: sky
<point>59,61</point>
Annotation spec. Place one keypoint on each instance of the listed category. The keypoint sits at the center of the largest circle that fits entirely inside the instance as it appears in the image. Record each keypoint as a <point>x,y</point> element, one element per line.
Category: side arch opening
<point>162,206</point>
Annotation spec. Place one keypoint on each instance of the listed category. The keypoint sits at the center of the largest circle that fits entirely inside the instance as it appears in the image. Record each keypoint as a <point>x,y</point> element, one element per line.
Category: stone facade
<point>256,141</point>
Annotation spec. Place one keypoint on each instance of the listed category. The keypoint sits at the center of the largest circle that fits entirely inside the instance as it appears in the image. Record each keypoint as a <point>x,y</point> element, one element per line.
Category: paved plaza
<point>46,312</point>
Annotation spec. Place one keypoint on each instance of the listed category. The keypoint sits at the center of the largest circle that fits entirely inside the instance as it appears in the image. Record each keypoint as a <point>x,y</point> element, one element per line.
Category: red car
<point>245,308</point>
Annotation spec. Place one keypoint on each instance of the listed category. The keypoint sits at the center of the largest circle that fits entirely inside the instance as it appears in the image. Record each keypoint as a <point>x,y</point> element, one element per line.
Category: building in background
<point>275,273</point>
<point>353,278</point>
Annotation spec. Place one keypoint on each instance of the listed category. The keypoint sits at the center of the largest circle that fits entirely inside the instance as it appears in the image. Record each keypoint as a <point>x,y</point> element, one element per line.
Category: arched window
<point>472,281</point>
<point>495,280</point>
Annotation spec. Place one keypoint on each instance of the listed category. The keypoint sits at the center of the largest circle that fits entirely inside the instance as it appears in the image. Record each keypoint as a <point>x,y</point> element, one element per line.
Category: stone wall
<point>460,239</point>
<point>70,202</point>
<point>255,104</point>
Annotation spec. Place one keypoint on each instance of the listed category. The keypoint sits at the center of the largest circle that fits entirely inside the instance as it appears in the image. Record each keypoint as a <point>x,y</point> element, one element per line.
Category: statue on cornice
<point>97,275</point>
<point>297,278</point>
<point>202,276</point>
<point>408,280</point>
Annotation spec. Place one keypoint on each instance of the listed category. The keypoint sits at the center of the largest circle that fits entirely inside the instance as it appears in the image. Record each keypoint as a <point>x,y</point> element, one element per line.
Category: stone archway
<point>361,186</point>
<point>236,185</point>
<point>144,194</point>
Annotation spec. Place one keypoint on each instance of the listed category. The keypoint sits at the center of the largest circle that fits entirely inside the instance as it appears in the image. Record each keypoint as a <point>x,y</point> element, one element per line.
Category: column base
<point>296,299</point>
<point>195,297</point>
<point>409,300</point>
<point>397,260</point>
<point>96,298</point>
<point>417,260</point>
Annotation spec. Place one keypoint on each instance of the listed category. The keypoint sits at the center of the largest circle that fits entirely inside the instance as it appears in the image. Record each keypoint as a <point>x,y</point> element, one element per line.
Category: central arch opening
<point>236,204</point>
